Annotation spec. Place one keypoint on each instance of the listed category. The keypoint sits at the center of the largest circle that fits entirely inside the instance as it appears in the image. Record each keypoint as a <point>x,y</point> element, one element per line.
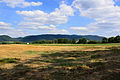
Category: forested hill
<point>52,37</point>
<point>5,38</point>
<point>49,37</point>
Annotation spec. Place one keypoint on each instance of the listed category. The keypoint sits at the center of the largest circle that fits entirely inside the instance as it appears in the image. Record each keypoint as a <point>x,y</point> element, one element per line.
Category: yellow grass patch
<point>22,51</point>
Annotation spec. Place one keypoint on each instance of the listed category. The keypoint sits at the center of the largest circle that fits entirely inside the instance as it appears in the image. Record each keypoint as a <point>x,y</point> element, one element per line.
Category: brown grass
<point>17,51</point>
<point>60,62</point>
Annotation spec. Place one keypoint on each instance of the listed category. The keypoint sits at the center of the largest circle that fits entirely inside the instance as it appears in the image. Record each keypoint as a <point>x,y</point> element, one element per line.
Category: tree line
<point>55,41</point>
<point>111,39</point>
<point>68,41</point>
<point>79,41</point>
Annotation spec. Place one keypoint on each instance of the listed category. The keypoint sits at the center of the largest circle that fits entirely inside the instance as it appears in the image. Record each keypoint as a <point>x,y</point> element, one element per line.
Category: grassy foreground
<point>46,62</point>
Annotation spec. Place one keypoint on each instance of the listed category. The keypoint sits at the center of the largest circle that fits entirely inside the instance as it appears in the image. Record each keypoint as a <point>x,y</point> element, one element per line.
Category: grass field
<point>107,44</point>
<point>60,62</point>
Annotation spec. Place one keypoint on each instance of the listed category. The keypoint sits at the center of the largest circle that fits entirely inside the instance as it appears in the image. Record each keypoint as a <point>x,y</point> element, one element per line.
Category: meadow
<point>60,62</point>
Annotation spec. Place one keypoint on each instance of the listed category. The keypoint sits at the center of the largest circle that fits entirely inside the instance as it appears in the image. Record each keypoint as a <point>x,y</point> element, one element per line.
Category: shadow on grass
<point>9,60</point>
<point>73,65</point>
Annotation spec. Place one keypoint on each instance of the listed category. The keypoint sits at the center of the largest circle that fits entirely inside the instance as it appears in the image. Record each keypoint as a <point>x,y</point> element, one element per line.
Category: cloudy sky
<point>19,18</point>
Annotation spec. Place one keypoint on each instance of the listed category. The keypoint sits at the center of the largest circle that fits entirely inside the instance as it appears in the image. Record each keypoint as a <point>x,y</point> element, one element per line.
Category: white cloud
<point>4,24</point>
<point>106,14</point>
<point>92,4</point>
<point>5,28</point>
<point>35,25</point>
<point>59,16</point>
<point>63,31</point>
<point>78,28</point>
<point>82,30</point>
<point>39,19</point>
<point>51,29</point>
<point>13,32</point>
<point>64,10</point>
<point>20,3</point>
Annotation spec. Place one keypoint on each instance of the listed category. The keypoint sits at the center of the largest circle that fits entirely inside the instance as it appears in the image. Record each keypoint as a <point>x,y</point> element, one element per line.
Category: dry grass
<point>59,62</point>
<point>26,52</point>
<point>17,51</point>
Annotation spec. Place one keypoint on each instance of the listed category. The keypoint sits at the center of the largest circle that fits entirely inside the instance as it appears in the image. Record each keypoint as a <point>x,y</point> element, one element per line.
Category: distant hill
<point>52,36</point>
<point>49,37</point>
<point>18,39</point>
<point>5,38</point>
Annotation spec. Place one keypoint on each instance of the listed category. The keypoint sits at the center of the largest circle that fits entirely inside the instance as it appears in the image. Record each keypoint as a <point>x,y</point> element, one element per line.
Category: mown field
<point>60,62</point>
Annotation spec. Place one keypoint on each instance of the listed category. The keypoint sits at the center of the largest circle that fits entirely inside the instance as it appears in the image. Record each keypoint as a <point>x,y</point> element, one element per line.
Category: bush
<point>4,43</point>
<point>92,42</point>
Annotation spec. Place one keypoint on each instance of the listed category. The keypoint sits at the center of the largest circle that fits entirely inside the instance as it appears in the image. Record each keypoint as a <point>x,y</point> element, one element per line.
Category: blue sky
<point>20,18</point>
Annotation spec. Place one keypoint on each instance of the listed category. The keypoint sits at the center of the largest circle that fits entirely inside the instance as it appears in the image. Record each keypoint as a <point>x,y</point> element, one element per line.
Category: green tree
<point>17,42</point>
<point>43,41</point>
<point>73,41</point>
<point>104,40</point>
<point>4,42</point>
<point>79,41</point>
<point>35,42</point>
<point>65,40</point>
<point>55,41</point>
<point>117,39</point>
<point>84,40</point>
<point>111,40</point>
<point>92,42</point>
<point>60,40</point>
<point>49,41</point>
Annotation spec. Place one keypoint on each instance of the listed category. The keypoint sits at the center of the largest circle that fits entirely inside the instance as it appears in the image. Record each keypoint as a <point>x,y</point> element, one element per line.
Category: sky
<point>19,18</point>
